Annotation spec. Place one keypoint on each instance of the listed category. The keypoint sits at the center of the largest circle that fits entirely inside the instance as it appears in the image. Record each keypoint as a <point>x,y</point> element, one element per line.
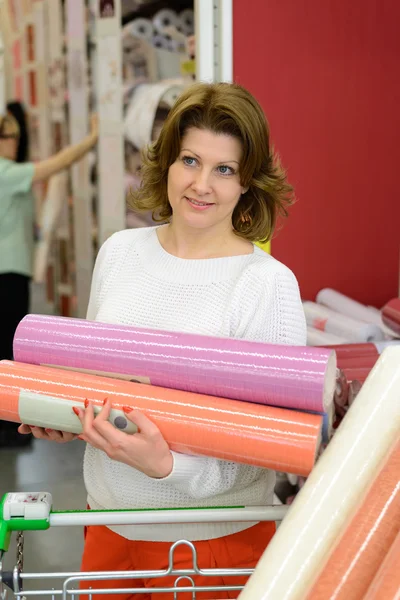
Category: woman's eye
<point>189,161</point>
<point>225,170</point>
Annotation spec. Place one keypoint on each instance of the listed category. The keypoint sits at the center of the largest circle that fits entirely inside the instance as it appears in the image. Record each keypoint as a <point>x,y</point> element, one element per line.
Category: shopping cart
<point>20,512</point>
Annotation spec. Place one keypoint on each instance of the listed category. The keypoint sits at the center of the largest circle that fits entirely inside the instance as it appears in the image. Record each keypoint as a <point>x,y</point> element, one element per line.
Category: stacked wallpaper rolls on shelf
<point>255,403</point>
<point>337,319</point>
<point>358,334</point>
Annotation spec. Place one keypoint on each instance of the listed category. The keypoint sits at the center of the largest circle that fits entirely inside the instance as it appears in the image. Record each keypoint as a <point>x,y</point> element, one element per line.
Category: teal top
<point>16,217</point>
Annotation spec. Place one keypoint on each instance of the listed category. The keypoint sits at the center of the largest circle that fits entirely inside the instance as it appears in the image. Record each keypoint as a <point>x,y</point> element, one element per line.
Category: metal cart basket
<point>20,512</point>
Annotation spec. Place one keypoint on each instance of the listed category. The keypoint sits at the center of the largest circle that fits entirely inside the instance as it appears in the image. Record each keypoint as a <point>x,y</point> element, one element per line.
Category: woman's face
<point>204,183</point>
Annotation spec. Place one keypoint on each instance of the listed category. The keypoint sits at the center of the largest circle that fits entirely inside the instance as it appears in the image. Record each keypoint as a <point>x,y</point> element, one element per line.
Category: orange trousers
<point>106,551</point>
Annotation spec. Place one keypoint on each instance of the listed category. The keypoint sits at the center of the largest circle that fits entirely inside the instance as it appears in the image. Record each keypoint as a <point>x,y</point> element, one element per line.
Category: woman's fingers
<point>24,429</point>
<point>51,435</point>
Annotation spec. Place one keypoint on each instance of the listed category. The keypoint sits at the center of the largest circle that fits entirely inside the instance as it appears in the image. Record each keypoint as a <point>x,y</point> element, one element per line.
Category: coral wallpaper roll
<point>254,434</point>
<point>362,548</point>
<point>287,376</point>
<point>386,585</point>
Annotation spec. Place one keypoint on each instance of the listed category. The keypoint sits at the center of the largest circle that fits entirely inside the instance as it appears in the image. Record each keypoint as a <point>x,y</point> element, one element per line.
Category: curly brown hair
<point>223,108</point>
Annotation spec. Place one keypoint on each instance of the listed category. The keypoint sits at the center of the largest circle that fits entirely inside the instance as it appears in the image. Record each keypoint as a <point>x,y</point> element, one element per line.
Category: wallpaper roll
<point>386,585</point>
<point>362,548</point>
<point>347,306</point>
<point>196,424</point>
<point>288,376</point>
<point>165,17</point>
<point>357,362</point>
<point>161,41</point>
<point>391,315</point>
<point>380,346</point>
<point>356,350</point>
<point>186,21</point>
<point>316,337</point>
<point>354,389</point>
<point>142,109</point>
<point>325,319</point>
<point>327,423</point>
<point>334,491</point>
<point>359,374</point>
<point>341,388</point>
<point>349,350</point>
<point>56,196</point>
<point>142,28</point>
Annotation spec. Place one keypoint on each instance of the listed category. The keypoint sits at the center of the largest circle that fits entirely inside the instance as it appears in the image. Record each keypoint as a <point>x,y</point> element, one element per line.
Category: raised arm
<point>67,157</point>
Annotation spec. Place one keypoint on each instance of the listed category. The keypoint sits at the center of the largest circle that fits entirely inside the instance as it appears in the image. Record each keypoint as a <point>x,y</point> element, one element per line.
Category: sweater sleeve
<point>274,314</point>
<point>268,309</point>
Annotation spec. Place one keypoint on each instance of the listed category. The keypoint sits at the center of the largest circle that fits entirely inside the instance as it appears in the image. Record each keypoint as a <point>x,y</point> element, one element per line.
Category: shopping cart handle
<point>5,535</point>
<point>23,512</point>
<point>33,511</point>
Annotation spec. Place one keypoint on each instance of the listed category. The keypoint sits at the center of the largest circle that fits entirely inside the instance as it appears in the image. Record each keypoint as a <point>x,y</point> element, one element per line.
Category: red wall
<point>328,76</point>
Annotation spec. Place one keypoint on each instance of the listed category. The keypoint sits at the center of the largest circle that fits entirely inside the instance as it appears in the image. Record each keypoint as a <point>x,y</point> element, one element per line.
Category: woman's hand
<point>51,435</point>
<point>146,450</point>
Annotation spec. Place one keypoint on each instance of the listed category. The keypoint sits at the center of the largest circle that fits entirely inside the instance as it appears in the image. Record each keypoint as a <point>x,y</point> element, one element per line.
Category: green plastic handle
<point>22,524</point>
<point>17,524</point>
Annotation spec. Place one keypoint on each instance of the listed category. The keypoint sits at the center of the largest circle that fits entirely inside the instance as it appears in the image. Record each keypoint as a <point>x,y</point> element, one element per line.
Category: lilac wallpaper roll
<point>289,376</point>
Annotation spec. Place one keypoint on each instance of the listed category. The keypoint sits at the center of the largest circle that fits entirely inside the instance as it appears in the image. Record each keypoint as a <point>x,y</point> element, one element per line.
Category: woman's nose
<point>201,182</point>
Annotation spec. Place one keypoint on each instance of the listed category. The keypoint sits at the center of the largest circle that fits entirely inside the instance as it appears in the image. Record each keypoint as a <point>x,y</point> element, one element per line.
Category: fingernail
<point>105,401</point>
<point>86,403</point>
<point>48,430</point>
<point>127,409</point>
<point>76,410</point>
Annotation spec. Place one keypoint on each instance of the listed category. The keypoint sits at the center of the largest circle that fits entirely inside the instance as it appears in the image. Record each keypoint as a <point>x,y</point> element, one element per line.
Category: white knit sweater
<point>253,297</point>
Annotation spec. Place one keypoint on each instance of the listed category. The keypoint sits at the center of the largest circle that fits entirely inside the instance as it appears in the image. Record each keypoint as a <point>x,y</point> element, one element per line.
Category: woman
<point>213,178</point>
<point>17,226</point>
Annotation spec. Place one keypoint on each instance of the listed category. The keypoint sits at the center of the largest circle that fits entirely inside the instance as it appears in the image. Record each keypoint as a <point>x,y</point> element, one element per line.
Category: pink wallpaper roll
<point>288,376</point>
